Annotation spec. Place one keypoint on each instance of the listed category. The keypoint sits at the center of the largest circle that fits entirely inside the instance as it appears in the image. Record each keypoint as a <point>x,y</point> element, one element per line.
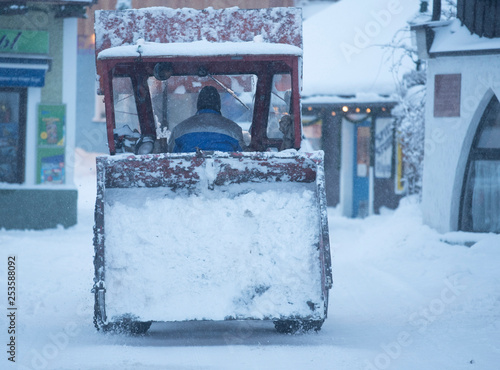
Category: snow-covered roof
<point>199,48</point>
<point>343,53</point>
<point>453,37</point>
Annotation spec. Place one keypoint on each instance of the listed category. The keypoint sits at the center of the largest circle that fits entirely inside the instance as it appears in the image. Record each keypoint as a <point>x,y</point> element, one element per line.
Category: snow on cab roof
<point>199,48</point>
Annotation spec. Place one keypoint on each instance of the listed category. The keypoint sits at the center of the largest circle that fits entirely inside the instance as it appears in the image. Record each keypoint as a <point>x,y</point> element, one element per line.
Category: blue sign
<point>18,77</point>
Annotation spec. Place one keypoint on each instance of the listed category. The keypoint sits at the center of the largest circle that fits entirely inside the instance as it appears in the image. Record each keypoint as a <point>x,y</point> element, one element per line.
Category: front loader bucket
<point>211,237</point>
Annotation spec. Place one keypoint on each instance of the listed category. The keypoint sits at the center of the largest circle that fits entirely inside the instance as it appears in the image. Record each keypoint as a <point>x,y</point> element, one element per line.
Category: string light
<point>333,113</point>
<point>358,110</point>
<point>345,109</point>
<point>368,110</point>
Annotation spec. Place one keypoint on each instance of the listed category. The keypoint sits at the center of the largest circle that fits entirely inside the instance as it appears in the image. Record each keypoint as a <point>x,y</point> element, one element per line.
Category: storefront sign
<point>51,125</point>
<point>51,149</point>
<point>51,166</point>
<point>15,77</point>
<point>24,41</point>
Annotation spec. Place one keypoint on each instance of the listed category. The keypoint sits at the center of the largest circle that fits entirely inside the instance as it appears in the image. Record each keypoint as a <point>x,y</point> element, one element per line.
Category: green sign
<point>51,148</point>
<point>24,41</point>
<point>51,125</point>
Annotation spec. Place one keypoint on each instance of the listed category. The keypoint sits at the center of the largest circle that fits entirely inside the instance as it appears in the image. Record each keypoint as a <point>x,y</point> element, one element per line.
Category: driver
<point>207,129</point>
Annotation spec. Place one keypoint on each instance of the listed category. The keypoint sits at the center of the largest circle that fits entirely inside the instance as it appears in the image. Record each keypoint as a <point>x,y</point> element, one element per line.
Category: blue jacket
<point>207,130</point>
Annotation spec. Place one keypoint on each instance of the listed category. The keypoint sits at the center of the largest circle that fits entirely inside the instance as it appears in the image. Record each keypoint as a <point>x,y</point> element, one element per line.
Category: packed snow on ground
<point>404,297</point>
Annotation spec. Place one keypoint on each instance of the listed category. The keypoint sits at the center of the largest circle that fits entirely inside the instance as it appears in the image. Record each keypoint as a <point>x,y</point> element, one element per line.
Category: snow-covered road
<point>402,299</point>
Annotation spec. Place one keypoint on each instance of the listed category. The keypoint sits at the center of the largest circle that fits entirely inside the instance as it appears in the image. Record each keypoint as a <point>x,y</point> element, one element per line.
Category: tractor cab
<point>150,87</point>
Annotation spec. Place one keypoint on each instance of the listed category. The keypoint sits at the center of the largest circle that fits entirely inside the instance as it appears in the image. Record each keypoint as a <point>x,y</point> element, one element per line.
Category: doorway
<point>361,170</point>
<point>12,134</point>
<point>480,208</point>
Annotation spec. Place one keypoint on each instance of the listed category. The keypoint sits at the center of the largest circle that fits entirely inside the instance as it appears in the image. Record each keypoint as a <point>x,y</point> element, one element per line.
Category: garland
<point>356,121</point>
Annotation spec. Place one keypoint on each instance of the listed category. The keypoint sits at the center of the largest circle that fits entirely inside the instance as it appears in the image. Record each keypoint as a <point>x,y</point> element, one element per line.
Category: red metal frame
<point>263,66</point>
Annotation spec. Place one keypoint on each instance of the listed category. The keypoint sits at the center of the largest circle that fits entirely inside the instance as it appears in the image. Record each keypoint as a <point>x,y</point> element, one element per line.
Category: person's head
<point>209,98</point>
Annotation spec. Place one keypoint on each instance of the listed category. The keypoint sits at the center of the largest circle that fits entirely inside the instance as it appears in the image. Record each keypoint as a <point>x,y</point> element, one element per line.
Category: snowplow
<point>206,235</point>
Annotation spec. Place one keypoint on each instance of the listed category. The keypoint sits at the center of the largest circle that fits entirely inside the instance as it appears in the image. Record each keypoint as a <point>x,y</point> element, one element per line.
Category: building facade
<point>38,112</point>
<point>461,183</point>
<point>362,169</point>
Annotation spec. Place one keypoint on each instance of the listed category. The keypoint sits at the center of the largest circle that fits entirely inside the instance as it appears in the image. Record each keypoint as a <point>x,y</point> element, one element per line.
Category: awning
<point>23,70</point>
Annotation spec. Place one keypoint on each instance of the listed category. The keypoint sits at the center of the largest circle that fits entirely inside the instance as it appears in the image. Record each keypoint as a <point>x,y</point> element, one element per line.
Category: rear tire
<point>127,326</point>
<point>309,325</point>
<point>295,326</point>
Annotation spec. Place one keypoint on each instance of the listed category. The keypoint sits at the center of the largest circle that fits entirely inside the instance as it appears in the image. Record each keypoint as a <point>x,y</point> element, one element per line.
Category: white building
<point>461,183</point>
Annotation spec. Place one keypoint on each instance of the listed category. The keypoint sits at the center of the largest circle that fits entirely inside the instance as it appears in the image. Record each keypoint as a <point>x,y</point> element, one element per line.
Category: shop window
<point>363,151</point>
<point>480,210</point>
<point>12,134</point>
<point>384,138</point>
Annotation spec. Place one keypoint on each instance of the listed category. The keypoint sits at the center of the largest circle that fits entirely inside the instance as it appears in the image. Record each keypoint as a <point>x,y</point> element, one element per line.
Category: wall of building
<point>448,140</point>
<point>29,204</point>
